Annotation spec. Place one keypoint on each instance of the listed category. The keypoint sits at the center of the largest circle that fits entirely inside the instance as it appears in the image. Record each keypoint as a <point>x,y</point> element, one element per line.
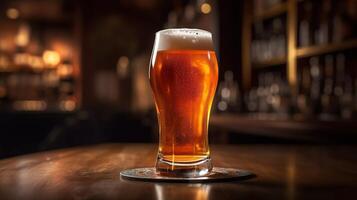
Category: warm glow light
<point>206,8</point>
<point>63,46</point>
<point>64,70</point>
<point>68,105</point>
<point>51,58</point>
<point>23,36</point>
<point>4,62</point>
<point>12,13</point>
<point>122,66</point>
<point>21,58</point>
<point>30,105</point>
<point>36,63</point>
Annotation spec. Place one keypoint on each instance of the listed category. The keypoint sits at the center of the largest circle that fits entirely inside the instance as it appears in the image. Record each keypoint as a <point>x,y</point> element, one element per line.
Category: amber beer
<point>183,76</point>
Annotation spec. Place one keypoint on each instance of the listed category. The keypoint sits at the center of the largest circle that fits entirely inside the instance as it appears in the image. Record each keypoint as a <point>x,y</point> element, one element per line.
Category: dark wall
<point>114,29</point>
<point>230,20</point>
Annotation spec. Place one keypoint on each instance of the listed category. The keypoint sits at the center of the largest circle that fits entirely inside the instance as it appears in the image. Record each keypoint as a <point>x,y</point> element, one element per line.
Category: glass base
<point>183,169</point>
<point>217,174</point>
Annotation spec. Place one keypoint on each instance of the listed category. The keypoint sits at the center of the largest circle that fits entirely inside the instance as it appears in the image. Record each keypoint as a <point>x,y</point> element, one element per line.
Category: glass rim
<point>188,31</point>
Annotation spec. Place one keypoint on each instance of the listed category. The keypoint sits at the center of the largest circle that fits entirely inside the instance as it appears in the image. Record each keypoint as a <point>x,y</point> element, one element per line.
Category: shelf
<point>288,128</point>
<point>322,49</point>
<point>271,12</point>
<point>269,63</point>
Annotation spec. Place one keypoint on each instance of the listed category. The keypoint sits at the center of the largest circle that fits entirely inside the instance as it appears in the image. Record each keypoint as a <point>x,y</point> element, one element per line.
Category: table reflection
<point>291,177</point>
<point>166,191</point>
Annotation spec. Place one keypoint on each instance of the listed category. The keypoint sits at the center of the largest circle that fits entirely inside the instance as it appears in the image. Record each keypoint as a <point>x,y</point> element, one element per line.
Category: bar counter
<point>305,130</point>
<point>92,172</point>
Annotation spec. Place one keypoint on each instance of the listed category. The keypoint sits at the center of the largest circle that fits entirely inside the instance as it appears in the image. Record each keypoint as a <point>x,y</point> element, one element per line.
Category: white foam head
<point>183,39</point>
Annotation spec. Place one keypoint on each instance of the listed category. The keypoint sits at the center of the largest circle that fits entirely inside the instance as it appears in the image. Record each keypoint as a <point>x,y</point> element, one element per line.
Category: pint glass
<point>183,77</point>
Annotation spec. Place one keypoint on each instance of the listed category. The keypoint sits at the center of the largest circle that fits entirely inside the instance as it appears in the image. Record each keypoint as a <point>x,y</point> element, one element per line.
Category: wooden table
<point>283,172</point>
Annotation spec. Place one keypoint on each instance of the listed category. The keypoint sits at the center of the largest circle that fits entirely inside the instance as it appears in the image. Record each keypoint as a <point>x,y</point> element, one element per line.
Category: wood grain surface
<point>283,172</point>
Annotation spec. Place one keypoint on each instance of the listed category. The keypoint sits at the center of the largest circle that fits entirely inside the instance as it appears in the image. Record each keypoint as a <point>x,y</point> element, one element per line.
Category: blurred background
<point>75,72</point>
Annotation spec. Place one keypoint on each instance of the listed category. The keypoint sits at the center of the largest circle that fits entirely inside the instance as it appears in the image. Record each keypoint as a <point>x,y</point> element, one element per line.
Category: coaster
<point>218,174</point>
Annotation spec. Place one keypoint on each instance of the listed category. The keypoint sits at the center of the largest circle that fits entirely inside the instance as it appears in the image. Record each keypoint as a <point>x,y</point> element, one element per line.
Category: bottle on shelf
<point>270,98</point>
<point>315,89</point>
<point>322,32</point>
<point>278,42</point>
<point>343,88</point>
<point>338,24</point>
<point>229,95</point>
<point>258,44</point>
<point>303,101</point>
<point>305,25</point>
<point>327,98</point>
<point>269,41</point>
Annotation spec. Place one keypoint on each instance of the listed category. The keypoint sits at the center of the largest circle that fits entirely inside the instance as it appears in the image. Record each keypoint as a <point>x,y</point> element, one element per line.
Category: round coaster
<point>218,174</point>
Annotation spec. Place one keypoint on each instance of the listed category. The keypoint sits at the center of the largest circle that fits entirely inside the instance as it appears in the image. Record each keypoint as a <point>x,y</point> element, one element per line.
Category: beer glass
<point>183,77</point>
